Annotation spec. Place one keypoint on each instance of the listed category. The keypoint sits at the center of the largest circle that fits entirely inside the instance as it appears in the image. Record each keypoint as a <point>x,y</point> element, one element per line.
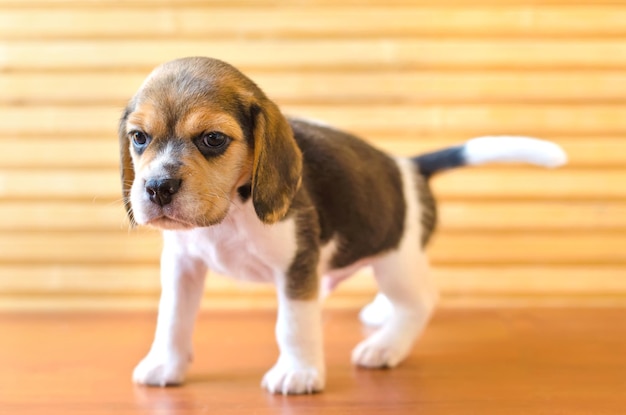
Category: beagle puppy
<point>238,188</point>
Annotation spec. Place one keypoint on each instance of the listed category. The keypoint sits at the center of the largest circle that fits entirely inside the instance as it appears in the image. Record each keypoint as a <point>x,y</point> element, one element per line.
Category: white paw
<point>380,352</point>
<point>289,379</point>
<point>161,369</point>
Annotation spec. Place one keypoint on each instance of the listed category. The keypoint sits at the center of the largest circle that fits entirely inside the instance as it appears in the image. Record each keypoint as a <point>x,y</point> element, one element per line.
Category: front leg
<point>182,285</point>
<point>300,367</point>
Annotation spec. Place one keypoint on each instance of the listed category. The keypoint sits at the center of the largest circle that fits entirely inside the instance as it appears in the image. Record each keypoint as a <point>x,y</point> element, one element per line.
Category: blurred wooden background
<point>408,75</point>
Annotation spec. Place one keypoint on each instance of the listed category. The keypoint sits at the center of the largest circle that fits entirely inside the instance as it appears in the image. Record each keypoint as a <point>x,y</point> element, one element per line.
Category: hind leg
<point>404,280</point>
<point>377,312</point>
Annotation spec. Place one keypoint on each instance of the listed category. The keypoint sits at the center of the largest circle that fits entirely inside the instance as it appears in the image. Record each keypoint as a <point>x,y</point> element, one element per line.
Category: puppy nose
<point>160,191</point>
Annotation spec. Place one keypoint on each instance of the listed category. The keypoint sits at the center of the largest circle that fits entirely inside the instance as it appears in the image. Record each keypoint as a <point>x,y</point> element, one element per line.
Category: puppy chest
<point>243,250</point>
<point>237,259</point>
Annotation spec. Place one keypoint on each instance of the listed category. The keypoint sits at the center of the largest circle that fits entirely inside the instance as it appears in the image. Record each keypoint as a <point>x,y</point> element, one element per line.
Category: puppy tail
<point>493,149</point>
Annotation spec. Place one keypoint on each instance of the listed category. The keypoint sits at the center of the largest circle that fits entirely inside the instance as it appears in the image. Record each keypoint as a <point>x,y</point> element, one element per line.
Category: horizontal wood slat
<point>73,278</point>
<point>99,152</point>
<point>454,216</point>
<point>319,54</point>
<point>60,152</point>
<point>49,215</point>
<point>531,183</point>
<point>361,119</point>
<point>315,22</point>
<point>472,183</point>
<point>91,184</point>
<point>449,248</point>
<point>538,216</point>
<point>514,248</point>
<point>246,4</point>
<point>481,119</point>
<point>68,248</point>
<point>388,86</point>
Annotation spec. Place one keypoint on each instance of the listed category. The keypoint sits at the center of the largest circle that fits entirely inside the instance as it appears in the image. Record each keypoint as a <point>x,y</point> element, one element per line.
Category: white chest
<point>242,246</point>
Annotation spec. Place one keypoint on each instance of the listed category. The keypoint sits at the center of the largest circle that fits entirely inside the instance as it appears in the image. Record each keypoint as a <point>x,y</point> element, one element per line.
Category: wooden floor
<point>520,361</point>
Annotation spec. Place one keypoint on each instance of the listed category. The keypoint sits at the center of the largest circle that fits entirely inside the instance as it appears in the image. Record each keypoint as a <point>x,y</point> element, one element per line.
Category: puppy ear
<point>277,166</point>
<point>127,170</point>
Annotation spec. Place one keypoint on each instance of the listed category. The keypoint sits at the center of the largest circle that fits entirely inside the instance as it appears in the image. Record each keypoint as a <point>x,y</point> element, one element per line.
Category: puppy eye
<point>140,139</point>
<point>214,139</point>
<point>212,144</point>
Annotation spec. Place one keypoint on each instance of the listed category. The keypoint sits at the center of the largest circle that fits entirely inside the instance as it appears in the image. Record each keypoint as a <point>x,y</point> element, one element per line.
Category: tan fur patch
<point>195,122</point>
<point>146,118</point>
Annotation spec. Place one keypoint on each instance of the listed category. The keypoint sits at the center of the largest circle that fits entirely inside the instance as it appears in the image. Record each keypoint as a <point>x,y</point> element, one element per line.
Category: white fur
<point>245,248</point>
<point>514,149</point>
<point>377,312</point>
<point>403,278</point>
<point>182,282</point>
<point>300,367</point>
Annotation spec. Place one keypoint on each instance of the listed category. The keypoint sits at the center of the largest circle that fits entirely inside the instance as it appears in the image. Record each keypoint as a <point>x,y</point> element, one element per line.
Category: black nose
<point>160,191</point>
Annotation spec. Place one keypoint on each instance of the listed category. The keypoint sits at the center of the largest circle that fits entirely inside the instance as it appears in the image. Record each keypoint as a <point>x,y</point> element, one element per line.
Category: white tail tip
<point>512,149</point>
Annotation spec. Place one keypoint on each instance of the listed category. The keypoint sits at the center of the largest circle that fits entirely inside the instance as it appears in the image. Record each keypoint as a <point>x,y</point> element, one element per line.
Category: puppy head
<point>196,135</point>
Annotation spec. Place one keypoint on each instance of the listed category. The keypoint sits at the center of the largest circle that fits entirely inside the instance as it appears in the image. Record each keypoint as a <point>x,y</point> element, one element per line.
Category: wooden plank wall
<point>409,75</point>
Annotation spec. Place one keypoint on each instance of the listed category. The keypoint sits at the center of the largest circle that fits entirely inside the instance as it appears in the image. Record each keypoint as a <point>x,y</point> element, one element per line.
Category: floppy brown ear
<point>277,167</point>
<point>127,170</point>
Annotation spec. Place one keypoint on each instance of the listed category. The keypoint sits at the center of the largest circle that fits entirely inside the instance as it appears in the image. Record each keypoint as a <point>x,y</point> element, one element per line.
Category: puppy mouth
<point>183,212</point>
<point>170,223</point>
<point>167,219</point>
